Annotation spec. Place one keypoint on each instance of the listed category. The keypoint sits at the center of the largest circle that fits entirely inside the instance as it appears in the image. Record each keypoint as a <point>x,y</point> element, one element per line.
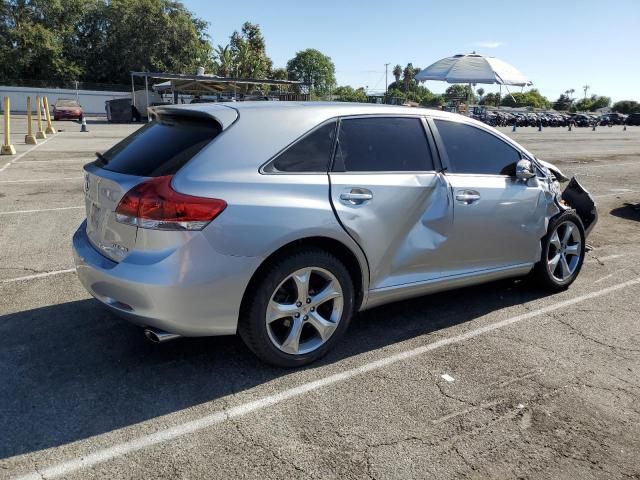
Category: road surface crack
<point>248,438</point>
<point>595,340</point>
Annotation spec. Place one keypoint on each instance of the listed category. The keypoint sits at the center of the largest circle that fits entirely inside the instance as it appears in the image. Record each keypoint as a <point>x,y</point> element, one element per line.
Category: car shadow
<point>74,370</point>
<point>629,212</point>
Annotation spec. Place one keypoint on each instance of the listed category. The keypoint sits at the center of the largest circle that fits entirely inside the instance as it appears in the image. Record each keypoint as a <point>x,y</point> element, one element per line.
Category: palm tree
<point>586,89</point>
<point>225,60</point>
<point>397,73</point>
<point>408,76</point>
<point>480,92</point>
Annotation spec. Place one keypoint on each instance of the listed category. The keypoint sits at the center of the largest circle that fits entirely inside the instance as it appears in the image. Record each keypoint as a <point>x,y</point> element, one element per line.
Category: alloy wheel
<point>304,311</point>
<point>565,248</point>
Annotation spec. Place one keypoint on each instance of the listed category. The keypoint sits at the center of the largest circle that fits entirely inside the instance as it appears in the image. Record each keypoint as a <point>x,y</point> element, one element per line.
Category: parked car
<point>583,120</point>
<point>280,220</point>
<point>617,118</point>
<point>65,109</point>
<point>633,119</point>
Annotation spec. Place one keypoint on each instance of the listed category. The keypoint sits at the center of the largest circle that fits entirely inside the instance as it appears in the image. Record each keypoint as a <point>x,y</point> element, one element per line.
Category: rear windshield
<point>161,147</point>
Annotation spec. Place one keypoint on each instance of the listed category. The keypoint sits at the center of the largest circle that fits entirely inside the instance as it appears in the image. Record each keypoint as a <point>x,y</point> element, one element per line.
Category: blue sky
<point>559,44</point>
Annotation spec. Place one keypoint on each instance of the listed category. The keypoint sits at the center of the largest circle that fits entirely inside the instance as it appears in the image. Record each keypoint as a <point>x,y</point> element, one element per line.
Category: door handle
<point>357,196</point>
<point>467,197</point>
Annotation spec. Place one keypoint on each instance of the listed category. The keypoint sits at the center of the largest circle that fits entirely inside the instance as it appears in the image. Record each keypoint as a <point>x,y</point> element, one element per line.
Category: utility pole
<point>386,79</point>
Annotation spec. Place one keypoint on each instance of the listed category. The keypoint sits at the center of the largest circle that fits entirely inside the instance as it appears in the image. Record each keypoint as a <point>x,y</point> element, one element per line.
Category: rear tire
<point>298,309</point>
<point>563,250</point>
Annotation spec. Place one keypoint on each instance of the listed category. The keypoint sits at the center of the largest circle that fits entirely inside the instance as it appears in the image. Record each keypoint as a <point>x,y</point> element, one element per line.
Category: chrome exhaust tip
<point>159,336</point>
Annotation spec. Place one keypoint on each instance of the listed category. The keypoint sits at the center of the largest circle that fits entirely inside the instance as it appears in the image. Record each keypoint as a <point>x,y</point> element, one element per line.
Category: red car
<point>65,109</point>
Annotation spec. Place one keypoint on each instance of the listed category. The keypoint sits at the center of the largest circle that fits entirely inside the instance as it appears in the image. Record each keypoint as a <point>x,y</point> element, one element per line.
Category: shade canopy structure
<point>204,84</point>
<point>473,68</point>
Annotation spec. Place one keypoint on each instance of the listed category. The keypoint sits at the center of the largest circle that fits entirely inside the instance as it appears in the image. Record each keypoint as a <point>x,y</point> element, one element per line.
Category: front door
<point>498,220</point>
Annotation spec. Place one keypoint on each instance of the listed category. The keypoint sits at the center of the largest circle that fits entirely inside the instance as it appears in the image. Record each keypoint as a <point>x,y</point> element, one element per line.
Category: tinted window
<point>471,150</point>
<point>161,147</point>
<point>309,154</point>
<point>382,144</point>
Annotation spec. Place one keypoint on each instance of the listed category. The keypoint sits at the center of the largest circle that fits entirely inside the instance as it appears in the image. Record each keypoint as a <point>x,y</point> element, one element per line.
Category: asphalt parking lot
<point>501,380</point>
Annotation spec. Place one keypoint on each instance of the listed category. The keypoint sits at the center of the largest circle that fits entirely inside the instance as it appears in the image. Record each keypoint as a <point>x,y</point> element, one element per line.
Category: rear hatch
<point>159,148</point>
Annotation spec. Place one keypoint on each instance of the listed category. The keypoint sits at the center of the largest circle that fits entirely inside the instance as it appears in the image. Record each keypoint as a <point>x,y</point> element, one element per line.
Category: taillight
<point>154,204</point>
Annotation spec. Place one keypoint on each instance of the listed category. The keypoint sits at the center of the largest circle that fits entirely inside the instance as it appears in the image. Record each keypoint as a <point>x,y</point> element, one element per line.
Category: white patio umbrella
<point>473,68</point>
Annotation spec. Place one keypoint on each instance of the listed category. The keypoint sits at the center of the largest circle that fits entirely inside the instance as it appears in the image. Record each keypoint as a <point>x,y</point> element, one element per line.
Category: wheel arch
<point>356,266</point>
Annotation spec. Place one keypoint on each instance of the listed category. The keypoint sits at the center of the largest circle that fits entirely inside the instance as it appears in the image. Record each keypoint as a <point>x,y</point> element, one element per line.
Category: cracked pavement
<point>553,396</point>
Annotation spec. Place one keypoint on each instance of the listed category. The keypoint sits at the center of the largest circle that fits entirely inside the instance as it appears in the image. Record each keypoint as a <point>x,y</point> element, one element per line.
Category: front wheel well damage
<point>335,247</point>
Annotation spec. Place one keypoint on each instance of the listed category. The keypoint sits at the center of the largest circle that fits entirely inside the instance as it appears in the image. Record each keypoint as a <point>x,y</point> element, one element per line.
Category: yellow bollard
<point>29,138</point>
<point>50,130</point>
<point>40,133</point>
<point>7,148</point>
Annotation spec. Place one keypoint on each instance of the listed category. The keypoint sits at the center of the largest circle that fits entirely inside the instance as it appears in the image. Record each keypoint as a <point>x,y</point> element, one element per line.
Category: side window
<point>309,154</point>
<point>472,150</point>
<point>376,144</point>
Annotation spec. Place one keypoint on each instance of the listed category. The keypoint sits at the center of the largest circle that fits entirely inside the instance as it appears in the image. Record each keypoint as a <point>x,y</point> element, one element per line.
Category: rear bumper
<point>192,290</point>
<point>62,115</point>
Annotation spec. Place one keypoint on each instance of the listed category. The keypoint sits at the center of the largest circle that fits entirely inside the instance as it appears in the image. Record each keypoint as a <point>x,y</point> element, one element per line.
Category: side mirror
<point>525,170</point>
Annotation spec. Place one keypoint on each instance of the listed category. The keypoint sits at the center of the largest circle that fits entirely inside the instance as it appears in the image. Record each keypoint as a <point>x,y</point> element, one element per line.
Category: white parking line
<point>75,160</point>
<point>18,157</point>
<point>100,456</point>
<point>37,275</point>
<point>12,212</point>
<point>36,180</point>
<point>610,257</point>
<point>604,278</point>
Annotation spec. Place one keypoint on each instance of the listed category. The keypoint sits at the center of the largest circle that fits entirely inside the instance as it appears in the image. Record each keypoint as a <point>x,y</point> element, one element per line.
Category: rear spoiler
<point>223,114</point>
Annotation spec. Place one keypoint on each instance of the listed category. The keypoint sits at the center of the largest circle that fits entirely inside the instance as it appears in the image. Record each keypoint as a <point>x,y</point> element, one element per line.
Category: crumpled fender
<point>561,177</point>
<point>581,200</point>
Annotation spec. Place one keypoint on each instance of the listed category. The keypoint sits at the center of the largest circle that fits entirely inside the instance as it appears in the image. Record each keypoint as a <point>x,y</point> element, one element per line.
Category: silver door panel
<point>398,219</point>
<point>497,221</point>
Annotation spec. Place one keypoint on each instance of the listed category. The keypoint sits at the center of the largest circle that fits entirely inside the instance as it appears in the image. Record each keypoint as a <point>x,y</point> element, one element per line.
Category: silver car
<point>279,220</point>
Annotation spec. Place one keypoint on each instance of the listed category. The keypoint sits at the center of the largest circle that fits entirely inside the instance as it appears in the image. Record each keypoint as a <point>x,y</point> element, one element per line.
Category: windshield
<point>67,103</point>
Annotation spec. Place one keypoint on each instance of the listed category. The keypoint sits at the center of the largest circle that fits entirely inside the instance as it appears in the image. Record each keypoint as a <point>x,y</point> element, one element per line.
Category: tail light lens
<point>154,204</point>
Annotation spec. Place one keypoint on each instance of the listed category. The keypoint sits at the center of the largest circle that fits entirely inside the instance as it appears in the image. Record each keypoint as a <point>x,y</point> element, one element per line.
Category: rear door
<point>498,220</point>
<point>390,199</point>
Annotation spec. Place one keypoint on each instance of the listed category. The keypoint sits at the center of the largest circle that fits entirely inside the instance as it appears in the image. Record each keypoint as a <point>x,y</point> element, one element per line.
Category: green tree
<point>563,103</point>
<point>491,99</point>
<point>248,49</point>
<point>459,91</point>
<point>626,106</point>
<point>99,40</point>
<point>224,63</point>
<point>397,73</point>
<point>313,68</point>
<point>480,92</point>
<point>151,35</point>
<point>407,76</point>
<point>349,94</point>
<point>279,74</point>
<point>599,101</point>
<point>591,103</point>
<point>530,98</point>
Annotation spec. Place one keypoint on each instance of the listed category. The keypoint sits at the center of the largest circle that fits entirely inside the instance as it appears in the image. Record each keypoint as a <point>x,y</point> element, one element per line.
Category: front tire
<point>298,309</point>
<point>563,250</point>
